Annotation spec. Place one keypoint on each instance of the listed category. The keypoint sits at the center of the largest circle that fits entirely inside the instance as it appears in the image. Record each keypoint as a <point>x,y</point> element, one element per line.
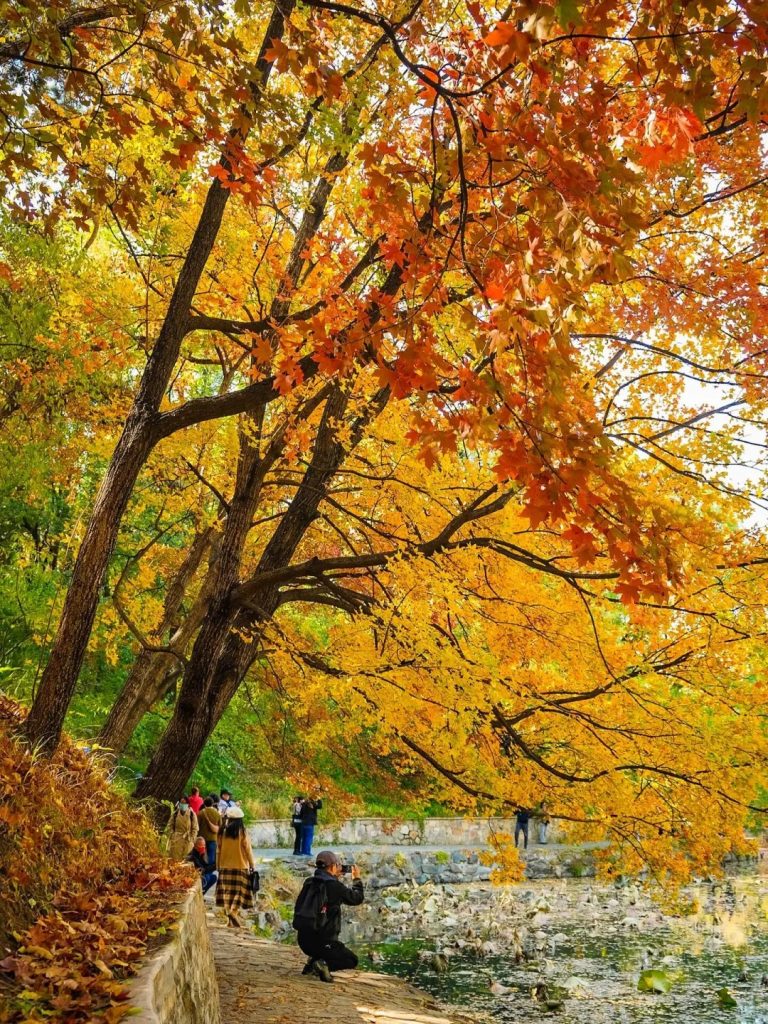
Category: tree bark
<point>221,657</point>
<point>193,721</point>
<point>57,684</point>
<point>150,675</point>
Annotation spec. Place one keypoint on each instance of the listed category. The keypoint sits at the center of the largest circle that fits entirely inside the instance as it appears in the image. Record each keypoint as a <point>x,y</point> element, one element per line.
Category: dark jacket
<point>522,815</point>
<point>200,861</point>
<point>309,811</point>
<point>337,893</point>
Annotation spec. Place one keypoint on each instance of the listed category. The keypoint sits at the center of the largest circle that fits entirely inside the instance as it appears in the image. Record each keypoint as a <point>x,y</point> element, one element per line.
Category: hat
<point>327,859</point>
<point>234,812</point>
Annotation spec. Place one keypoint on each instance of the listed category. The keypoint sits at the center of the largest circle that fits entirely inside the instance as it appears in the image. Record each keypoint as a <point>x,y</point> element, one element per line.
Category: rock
<point>577,988</point>
<point>498,989</point>
<point>540,992</point>
<point>630,922</point>
<point>439,963</point>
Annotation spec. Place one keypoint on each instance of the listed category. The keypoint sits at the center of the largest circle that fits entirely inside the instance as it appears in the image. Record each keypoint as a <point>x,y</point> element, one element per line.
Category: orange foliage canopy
<point>525,168</point>
<point>526,243</point>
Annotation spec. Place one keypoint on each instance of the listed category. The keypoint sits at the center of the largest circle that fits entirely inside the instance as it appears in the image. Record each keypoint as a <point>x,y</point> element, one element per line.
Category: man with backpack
<point>317,916</point>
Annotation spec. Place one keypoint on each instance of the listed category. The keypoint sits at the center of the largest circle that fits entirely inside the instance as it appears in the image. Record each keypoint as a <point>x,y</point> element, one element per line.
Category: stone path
<point>260,982</point>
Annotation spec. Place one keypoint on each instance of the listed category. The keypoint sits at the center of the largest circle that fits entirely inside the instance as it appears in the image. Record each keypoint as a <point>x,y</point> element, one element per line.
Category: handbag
<point>253,880</point>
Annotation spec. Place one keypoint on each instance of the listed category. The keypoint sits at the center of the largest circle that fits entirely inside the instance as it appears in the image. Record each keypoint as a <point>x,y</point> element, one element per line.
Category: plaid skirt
<point>233,889</point>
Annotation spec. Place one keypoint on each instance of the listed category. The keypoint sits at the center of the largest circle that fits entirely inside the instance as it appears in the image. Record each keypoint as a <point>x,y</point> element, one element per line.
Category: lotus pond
<point>576,950</point>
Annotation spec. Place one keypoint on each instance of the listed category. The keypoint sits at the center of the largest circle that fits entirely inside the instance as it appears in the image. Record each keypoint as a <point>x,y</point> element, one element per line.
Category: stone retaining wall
<point>269,834</point>
<point>178,983</point>
<point>383,869</point>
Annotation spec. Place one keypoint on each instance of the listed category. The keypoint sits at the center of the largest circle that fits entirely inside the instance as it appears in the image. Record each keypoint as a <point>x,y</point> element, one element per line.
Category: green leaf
<point>654,981</point>
<point>725,999</point>
<point>567,13</point>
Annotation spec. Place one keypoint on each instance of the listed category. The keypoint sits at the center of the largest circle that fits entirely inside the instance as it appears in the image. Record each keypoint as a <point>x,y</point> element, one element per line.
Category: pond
<point>575,950</point>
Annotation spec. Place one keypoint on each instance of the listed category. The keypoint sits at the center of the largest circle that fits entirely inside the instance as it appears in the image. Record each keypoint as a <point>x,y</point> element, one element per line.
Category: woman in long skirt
<point>235,863</point>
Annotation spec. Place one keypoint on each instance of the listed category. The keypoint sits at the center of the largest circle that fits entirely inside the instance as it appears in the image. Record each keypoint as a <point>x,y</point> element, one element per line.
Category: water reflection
<point>583,945</point>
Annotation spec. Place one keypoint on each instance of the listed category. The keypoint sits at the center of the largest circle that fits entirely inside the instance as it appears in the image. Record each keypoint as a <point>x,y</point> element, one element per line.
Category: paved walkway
<point>260,982</point>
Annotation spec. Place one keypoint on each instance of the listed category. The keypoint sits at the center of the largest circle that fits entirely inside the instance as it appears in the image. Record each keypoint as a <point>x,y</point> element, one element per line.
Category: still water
<point>587,945</point>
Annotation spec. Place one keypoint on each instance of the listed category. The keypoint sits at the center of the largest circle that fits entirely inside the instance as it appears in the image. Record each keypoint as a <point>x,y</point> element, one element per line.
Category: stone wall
<point>178,983</point>
<point>269,834</point>
<point>384,869</point>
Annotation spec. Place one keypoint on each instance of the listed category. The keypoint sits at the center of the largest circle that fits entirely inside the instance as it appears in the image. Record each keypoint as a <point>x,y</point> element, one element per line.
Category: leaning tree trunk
<point>57,684</point>
<point>153,671</point>
<point>193,722</point>
<point>193,718</point>
<point>221,656</point>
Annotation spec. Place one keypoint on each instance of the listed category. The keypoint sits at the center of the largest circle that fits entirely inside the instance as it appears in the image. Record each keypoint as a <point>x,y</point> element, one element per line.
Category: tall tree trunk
<point>152,671</point>
<point>57,684</point>
<point>220,656</point>
<point>193,721</point>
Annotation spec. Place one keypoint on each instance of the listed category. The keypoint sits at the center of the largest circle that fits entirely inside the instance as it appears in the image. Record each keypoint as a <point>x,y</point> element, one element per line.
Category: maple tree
<point>519,252</point>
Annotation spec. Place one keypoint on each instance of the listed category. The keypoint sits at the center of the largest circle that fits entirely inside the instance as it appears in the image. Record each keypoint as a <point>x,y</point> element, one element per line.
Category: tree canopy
<point>406,362</point>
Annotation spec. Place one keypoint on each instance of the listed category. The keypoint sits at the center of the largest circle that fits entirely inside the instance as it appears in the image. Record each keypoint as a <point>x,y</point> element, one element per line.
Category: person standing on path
<point>182,830</point>
<point>522,817</point>
<point>543,823</point>
<point>235,864</point>
<point>296,823</point>
<point>317,917</point>
<point>195,800</point>
<point>309,809</point>
<point>225,802</point>
<point>209,821</point>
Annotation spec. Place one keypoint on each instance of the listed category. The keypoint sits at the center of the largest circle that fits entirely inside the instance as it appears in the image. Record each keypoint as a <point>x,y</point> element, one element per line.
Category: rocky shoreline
<point>388,868</point>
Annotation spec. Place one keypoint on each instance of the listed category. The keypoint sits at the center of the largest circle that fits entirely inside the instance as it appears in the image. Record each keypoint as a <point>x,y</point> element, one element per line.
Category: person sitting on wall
<point>207,869</point>
<point>317,916</point>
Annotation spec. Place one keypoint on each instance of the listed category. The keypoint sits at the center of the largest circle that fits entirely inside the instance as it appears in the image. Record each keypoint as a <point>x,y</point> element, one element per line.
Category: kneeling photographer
<point>317,916</point>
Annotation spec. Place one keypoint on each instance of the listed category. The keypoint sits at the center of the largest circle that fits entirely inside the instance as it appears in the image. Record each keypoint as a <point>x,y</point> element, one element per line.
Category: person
<point>235,863</point>
<point>296,823</point>
<point>225,802</point>
<point>309,809</point>
<point>182,830</point>
<point>317,916</point>
<point>543,823</point>
<point>522,817</point>
<point>209,821</point>
<point>206,867</point>
<point>195,800</point>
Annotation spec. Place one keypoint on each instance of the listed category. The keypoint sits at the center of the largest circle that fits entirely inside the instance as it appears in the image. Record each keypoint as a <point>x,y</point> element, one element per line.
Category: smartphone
<point>346,868</point>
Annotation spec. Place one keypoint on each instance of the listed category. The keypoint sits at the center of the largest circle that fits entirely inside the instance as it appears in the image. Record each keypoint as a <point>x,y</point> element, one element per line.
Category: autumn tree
<point>534,232</point>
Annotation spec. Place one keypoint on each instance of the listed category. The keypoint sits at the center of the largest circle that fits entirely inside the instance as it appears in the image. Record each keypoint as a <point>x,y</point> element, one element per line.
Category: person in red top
<point>195,801</point>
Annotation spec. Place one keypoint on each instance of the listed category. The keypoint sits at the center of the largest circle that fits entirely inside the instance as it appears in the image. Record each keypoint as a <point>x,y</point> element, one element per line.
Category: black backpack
<point>311,910</point>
